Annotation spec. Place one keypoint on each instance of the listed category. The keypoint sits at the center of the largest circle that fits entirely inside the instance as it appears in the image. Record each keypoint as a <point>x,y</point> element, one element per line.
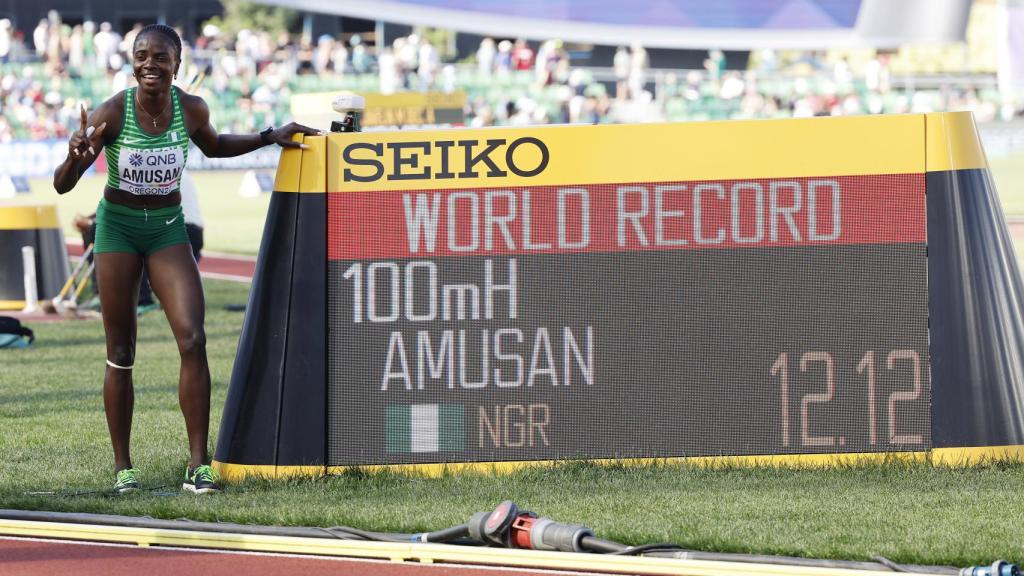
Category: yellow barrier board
<point>18,217</point>
<point>560,155</point>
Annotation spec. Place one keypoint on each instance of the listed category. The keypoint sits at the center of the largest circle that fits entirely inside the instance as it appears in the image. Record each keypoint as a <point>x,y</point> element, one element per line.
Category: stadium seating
<point>674,100</point>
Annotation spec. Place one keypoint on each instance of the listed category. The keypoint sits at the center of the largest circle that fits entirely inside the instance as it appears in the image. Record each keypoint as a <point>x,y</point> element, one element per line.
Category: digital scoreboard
<point>623,320</point>
<point>773,288</point>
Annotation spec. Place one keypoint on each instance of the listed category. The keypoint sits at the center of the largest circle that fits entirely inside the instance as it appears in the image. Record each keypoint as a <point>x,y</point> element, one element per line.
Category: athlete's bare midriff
<point>137,201</point>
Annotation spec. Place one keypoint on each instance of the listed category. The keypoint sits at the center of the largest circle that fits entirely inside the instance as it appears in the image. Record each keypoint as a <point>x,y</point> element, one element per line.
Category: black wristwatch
<point>265,134</point>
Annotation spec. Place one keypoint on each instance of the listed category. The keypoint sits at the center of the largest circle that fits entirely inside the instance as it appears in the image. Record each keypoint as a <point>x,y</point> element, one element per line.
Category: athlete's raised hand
<point>283,136</point>
<point>87,139</point>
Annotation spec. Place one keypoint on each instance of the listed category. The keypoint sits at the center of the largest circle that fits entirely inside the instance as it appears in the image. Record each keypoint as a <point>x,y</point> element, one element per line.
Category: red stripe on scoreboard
<point>786,212</point>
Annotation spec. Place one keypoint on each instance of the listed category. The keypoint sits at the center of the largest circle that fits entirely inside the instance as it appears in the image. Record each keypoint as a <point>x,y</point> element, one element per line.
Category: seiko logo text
<point>492,158</point>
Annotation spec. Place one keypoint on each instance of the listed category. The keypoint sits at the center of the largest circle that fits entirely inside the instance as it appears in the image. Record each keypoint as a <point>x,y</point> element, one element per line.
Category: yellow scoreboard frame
<point>922,181</point>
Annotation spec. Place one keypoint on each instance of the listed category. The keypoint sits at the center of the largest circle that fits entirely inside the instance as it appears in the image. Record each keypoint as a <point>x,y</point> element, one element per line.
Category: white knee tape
<point>112,365</point>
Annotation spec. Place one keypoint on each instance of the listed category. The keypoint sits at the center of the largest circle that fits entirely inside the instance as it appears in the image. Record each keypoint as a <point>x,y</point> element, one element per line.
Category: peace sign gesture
<point>85,140</point>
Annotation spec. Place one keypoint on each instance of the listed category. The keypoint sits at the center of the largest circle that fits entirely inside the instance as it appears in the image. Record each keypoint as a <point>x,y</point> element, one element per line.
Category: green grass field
<point>56,453</point>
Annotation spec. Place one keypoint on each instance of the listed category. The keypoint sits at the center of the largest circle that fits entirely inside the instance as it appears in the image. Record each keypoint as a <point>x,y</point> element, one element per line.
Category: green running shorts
<point>138,230</point>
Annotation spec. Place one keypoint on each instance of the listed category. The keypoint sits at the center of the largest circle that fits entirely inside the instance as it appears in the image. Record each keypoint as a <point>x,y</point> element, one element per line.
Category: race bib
<point>150,172</point>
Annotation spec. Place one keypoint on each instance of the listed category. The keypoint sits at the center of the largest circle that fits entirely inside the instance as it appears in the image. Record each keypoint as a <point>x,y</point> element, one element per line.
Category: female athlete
<point>146,132</point>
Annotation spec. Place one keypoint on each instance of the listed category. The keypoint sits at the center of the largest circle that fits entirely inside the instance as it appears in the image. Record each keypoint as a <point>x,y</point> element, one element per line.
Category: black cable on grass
<point>347,533</point>
<point>889,564</point>
<point>455,534</point>
<point>601,546</point>
<point>446,534</point>
<point>634,550</point>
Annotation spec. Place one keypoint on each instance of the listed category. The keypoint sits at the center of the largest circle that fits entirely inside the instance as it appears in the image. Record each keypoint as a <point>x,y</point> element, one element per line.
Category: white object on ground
<point>28,259</point>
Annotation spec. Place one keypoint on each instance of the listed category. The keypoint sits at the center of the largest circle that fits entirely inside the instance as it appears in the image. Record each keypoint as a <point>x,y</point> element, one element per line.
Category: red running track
<point>211,265</point>
<point>1016,227</point>
<point>36,557</point>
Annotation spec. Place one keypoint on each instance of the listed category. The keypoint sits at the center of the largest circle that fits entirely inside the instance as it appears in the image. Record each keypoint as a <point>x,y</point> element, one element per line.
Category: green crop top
<point>145,164</point>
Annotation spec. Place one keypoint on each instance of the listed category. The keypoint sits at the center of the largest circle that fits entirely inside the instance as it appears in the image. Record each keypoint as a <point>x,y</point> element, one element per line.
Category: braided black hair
<point>167,31</point>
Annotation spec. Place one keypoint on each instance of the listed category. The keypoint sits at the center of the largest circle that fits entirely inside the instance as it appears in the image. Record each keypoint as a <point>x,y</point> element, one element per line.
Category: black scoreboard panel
<point>623,351</point>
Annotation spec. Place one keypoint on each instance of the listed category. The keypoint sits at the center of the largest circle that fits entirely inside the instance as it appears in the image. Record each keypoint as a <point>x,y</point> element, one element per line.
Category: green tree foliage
<point>241,14</point>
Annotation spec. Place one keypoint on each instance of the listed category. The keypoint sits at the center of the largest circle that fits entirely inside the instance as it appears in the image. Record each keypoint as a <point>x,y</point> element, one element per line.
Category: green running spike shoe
<point>201,480</point>
<point>127,481</point>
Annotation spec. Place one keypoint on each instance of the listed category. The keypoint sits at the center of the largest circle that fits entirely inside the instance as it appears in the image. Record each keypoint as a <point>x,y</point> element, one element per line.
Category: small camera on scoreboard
<point>351,107</point>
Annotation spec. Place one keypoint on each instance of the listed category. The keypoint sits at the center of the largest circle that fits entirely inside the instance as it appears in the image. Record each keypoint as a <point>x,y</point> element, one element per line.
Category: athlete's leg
<point>118,273</point>
<point>175,279</point>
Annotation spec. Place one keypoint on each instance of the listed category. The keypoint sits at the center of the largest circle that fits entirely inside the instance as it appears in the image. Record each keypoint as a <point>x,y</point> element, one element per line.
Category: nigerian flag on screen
<point>424,428</point>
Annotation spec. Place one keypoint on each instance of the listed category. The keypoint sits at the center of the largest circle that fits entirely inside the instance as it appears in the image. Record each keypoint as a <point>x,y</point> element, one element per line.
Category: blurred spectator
<point>519,113</point>
<point>449,79</point>
<point>41,38</point>
<point>429,61</point>
<point>6,132</point>
<point>841,72</point>
<point>732,86</point>
<point>387,69</point>
<point>620,66</point>
<point>5,40</point>
<point>324,52</point>
<point>522,56</point>
<point>503,60</point>
<point>876,74</point>
<point>637,70</point>
<point>715,65</point>
<point>206,38</point>
<point>126,44</point>
<point>122,79</point>
<point>107,42</point>
<point>76,49</point>
<point>767,61</point>
<point>339,57</point>
<point>552,63</point>
<point>485,56</point>
<point>408,57</point>
<point>305,56</point>
<point>483,117</point>
<point>362,61</point>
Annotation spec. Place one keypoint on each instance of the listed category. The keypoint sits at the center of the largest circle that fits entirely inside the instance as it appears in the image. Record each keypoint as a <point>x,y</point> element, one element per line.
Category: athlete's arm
<point>83,147</point>
<point>214,145</point>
